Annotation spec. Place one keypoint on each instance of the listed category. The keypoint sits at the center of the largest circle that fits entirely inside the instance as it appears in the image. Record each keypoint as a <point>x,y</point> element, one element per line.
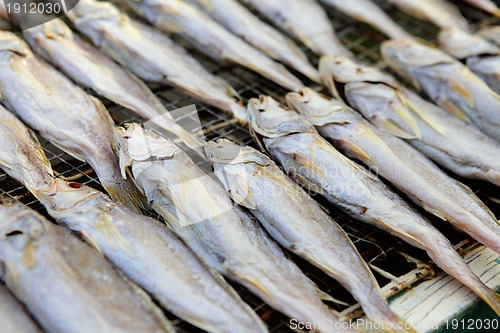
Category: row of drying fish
<point>221,33</point>
<point>228,242</point>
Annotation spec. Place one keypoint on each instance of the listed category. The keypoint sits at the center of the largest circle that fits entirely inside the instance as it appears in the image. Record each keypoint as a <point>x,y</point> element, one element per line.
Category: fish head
<point>10,43</point>
<point>405,56</point>
<point>272,120</point>
<point>65,197</point>
<point>20,227</point>
<point>461,44</point>
<point>319,109</point>
<point>224,151</point>
<point>136,144</point>
<point>50,30</point>
<point>336,71</point>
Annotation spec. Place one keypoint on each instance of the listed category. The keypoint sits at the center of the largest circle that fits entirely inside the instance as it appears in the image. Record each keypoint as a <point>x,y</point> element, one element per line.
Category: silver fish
<point>491,33</point>
<point>404,167</point>
<point>63,113</point>
<point>91,69</point>
<point>145,250</point>
<point>442,137</point>
<point>479,55</point>
<point>296,221</point>
<point>197,28</point>
<point>236,18</point>
<point>13,316</point>
<point>441,13</point>
<point>151,55</point>
<point>368,12</point>
<point>305,20</point>
<point>447,82</point>
<point>46,267</point>
<point>198,209</point>
<point>313,162</point>
<point>486,5</point>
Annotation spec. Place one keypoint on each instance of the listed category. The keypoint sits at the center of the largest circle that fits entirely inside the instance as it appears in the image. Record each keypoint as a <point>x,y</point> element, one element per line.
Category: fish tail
<point>447,258</point>
<point>239,112</point>
<point>383,314</point>
<point>492,298</point>
<point>124,191</point>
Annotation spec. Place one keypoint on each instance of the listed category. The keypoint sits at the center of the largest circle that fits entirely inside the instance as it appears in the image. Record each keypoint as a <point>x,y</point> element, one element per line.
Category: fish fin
<point>149,304</point>
<point>170,219</point>
<point>462,91</point>
<point>396,130</point>
<point>313,187</point>
<point>126,192</point>
<point>250,281</point>
<point>327,297</point>
<point>10,272</point>
<point>70,152</point>
<point>456,111</point>
<point>311,166</point>
<point>90,241</point>
<point>476,199</point>
<point>356,150</point>
<point>170,27</point>
<point>46,163</point>
<point>4,164</point>
<point>435,212</point>
<point>423,115</point>
<point>28,256</point>
<point>113,234</point>
<point>241,192</point>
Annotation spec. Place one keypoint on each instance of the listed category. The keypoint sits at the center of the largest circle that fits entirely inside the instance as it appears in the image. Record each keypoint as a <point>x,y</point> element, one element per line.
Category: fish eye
<point>75,185</point>
<point>14,233</point>
<point>5,201</point>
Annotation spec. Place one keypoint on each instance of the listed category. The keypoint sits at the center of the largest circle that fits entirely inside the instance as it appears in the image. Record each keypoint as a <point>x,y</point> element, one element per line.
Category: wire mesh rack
<point>395,264</point>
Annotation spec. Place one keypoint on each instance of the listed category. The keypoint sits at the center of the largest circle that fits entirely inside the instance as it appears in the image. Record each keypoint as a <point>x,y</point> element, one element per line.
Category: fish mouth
<point>270,119</point>
<point>222,151</point>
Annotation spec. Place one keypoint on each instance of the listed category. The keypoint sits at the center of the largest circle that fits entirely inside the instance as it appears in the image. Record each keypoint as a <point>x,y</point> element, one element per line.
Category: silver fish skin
<point>92,69</point>
<point>491,33</point>
<point>31,167</point>
<point>146,251</point>
<point>296,221</point>
<point>486,5</point>
<point>403,166</point>
<point>368,12</point>
<point>441,13</point>
<point>198,209</point>
<point>197,28</point>
<point>151,55</point>
<point>152,256</point>
<point>45,266</point>
<point>236,18</point>
<point>13,316</point>
<point>442,137</point>
<point>62,113</point>
<point>305,20</point>
<point>313,162</point>
<point>447,82</point>
<point>479,55</point>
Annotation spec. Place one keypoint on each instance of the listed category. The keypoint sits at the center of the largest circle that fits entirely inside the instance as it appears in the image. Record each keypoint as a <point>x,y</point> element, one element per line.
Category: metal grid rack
<point>395,264</point>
